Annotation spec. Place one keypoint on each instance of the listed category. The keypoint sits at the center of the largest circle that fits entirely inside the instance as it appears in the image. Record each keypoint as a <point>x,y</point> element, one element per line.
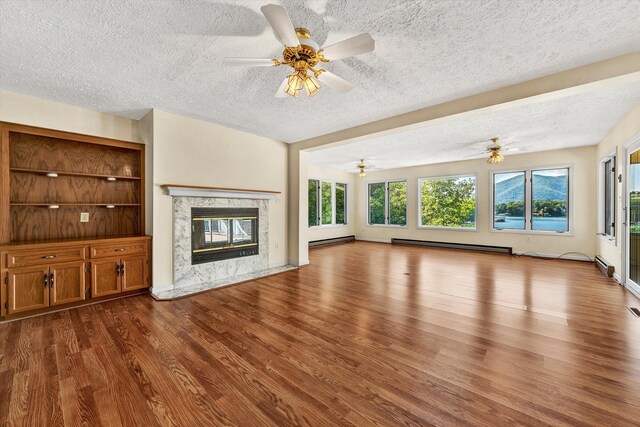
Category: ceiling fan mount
<point>495,150</point>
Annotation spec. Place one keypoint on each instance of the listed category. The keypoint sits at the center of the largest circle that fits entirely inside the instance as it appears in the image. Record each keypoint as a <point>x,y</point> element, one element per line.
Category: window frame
<point>441,227</point>
<point>333,203</point>
<point>528,201</point>
<point>601,230</point>
<point>386,204</point>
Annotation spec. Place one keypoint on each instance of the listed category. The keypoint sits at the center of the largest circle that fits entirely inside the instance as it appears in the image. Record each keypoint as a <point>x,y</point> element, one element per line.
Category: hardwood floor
<point>367,334</point>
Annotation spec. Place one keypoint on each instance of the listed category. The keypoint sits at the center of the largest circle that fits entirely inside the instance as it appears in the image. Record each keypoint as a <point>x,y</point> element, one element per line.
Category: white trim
<point>371,239</point>
<point>325,226</point>
<point>224,194</point>
<point>528,202</point>
<point>278,264</point>
<point>630,146</point>
<point>633,291</point>
<point>617,277</point>
<point>435,227</point>
<point>611,240</point>
<point>570,256</point>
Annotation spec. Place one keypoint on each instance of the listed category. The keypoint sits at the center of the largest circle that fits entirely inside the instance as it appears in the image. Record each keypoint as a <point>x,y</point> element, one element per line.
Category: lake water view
<point>539,223</point>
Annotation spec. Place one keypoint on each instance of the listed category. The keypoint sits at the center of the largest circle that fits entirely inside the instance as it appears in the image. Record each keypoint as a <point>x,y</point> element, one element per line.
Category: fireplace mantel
<point>178,190</point>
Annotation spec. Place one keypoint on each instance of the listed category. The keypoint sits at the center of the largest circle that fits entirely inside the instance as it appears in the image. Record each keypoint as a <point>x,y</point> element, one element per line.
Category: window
<point>607,197</point>
<point>509,200</point>
<point>341,203</point>
<point>327,203</point>
<point>387,203</point>
<point>313,202</point>
<point>531,200</point>
<point>448,202</point>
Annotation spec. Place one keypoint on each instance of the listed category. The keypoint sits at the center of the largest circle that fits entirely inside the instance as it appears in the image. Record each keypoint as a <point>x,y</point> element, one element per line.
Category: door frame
<point>629,147</point>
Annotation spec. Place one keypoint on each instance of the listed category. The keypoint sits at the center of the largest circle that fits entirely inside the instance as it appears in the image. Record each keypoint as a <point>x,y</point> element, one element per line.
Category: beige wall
<point>330,231</point>
<point>622,132</point>
<point>584,180</point>
<point>189,151</point>
<point>27,110</point>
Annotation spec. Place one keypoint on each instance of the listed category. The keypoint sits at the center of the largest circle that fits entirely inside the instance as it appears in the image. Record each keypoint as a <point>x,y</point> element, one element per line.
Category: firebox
<point>223,233</point>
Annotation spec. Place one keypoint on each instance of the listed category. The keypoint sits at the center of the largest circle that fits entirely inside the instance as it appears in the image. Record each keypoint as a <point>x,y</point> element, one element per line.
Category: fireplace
<point>223,233</point>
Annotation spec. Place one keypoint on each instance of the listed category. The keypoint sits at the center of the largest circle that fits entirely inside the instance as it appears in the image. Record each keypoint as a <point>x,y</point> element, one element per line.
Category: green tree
<point>449,202</point>
<point>313,202</point>
<point>376,203</point>
<point>326,196</point>
<point>398,203</point>
<point>511,208</point>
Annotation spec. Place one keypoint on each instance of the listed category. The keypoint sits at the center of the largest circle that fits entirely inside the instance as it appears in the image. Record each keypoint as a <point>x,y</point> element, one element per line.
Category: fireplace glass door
<point>220,233</point>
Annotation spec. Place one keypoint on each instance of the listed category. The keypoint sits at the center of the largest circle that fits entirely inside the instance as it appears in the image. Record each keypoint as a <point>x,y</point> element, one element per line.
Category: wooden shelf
<point>76,204</point>
<point>67,173</point>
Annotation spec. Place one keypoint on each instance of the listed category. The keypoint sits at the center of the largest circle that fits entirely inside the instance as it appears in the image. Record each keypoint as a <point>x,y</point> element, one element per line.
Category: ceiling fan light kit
<point>302,54</point>
<point>361,166</point>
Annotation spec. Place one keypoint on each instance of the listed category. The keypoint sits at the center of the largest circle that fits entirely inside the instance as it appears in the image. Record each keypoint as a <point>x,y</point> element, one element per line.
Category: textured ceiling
<point>571,121</point>
<point>124,57</point>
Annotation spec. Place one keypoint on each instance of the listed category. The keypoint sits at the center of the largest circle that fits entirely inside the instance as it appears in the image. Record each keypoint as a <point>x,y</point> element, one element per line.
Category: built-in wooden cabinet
<point>28,289</point>
<point>105,274</point>
<point>71,219</point>
<point>67,283</point>
<point>32,288</point>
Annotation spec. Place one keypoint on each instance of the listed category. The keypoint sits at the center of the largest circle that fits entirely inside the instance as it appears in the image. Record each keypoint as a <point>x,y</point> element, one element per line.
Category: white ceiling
<point>126,57</point>
<point>570,121</point>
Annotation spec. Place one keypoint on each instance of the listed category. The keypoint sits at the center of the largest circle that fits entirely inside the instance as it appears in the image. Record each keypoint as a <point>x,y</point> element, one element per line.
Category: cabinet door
<point>66,283</point>
<point>105,277</point>
<point>28,289</point>
<point>134,272</point>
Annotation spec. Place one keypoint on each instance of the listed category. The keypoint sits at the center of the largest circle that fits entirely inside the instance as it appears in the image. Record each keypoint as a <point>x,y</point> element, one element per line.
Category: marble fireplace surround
<point>189,279</point>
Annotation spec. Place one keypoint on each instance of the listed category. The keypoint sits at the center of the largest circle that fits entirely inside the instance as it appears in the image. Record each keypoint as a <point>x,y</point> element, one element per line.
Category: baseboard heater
<point>332,241</point>
<point>449,245</point>
<point>604,266</point>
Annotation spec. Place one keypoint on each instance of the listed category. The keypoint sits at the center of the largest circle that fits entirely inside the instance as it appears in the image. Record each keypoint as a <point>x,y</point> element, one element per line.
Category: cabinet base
<point>18,316</point>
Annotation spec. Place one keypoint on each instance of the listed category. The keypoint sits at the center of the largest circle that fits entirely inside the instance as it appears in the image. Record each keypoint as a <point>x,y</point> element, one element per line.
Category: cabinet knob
<point>120,250</point>
<point>48,257</point>
<point>46,280</point>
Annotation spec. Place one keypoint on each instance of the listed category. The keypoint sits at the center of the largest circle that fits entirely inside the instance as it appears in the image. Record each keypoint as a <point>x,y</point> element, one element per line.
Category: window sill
<point>386,226</point>
<point>428,227</point>
<point>532,232</point>
<point>320,227</point>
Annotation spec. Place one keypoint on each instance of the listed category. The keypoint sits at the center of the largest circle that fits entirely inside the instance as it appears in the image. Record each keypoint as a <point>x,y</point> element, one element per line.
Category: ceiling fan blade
<point>280,93</point>
<point>281,23</point>
<point>254,62</point>
<point>350,47</point>
<point>335,82</point>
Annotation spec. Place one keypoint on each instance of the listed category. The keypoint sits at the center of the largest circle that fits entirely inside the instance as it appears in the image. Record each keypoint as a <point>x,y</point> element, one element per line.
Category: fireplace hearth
<point>223,233</point>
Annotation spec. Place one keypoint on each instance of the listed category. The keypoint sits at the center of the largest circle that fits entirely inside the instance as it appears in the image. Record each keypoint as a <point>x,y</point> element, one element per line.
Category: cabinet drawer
<point>44,256</point>
<point>116,249</point>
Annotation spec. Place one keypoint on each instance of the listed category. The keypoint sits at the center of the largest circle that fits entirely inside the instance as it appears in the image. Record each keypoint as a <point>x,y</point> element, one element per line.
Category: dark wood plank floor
<point>367,334</point>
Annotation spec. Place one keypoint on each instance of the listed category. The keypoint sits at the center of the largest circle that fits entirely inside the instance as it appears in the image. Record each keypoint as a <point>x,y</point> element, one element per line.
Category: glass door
<point>632,218</point>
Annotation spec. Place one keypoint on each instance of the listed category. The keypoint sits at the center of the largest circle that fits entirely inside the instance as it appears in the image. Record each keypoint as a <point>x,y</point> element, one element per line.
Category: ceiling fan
<point>495,150</point>
<point>302,54</point>
<point>361,168</point>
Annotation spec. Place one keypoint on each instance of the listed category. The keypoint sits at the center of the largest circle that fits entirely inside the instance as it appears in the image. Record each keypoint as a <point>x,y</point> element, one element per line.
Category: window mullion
<point>528,202</point>
<point>333,203</point>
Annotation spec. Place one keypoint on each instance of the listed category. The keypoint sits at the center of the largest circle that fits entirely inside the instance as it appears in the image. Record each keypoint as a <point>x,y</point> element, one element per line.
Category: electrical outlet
<point>84,216</point>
